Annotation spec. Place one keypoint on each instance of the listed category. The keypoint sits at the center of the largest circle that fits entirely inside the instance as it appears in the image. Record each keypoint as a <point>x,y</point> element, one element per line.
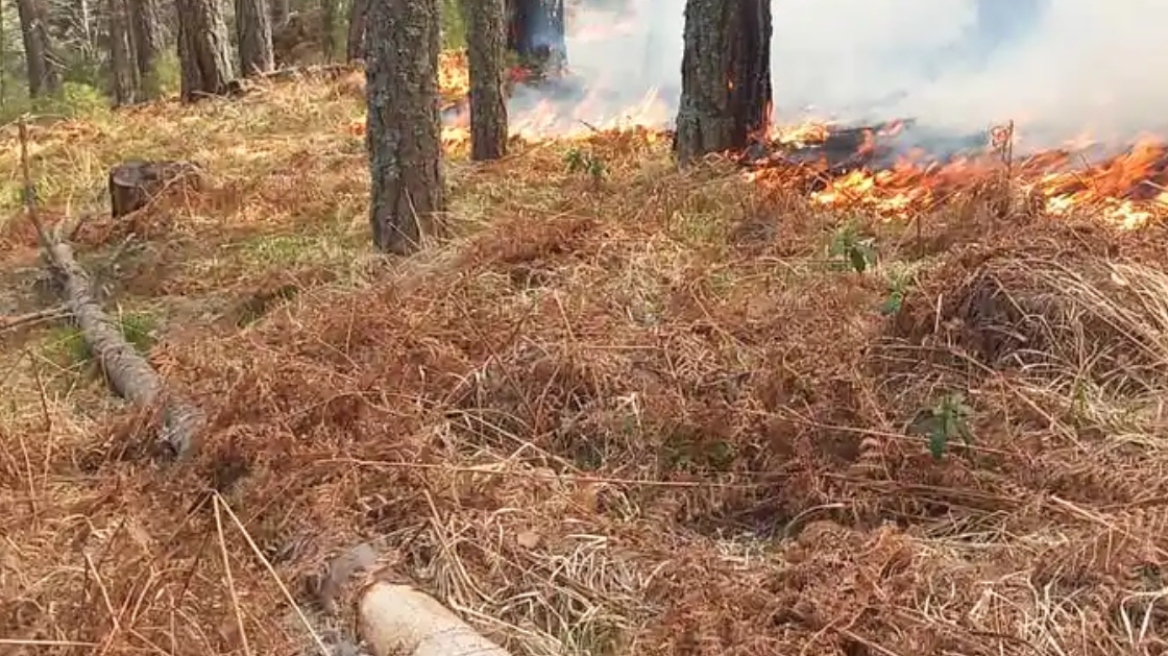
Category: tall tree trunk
<point>123,73</point>
<point>279,11</point>
<point>202,49</point>
<point>535,33</point>
<point>254,32</point>
<point>358,17</point>
<point>486,39</point>
<point>146,36</point>
<point>43,77</point>
<point>403,134</point>
<point>725,76</point>
<point>329,23</point>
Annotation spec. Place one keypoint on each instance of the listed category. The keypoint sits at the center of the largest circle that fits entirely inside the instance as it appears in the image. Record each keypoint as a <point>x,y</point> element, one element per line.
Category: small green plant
<point>68,343</point>
<point>900,280</point>
<point>852,249</point>
<point>580,161</point>
<point>946,420</point>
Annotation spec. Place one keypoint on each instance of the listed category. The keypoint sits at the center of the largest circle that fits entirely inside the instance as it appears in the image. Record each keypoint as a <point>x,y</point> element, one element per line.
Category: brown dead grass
<point>646,415</point>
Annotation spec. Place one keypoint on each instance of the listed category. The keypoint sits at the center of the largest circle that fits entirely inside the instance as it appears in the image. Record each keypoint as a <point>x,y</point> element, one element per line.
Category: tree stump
<point>132,185</point>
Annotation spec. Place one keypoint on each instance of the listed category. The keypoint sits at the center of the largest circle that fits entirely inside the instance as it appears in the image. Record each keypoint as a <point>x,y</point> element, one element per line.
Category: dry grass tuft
<point>647,412</point>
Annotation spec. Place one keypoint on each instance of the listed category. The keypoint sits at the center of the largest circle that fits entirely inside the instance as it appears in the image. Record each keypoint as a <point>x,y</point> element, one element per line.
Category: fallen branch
<point>8,323</point>
<point>400,620</point>
<point>128,373</point>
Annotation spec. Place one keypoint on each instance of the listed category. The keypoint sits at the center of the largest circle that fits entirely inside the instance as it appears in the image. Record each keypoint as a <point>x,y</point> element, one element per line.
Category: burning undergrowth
<point>732,471</point>
<point>642,412</point>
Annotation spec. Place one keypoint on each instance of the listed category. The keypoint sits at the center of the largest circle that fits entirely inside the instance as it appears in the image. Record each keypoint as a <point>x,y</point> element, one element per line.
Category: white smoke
<point>1069,68</point>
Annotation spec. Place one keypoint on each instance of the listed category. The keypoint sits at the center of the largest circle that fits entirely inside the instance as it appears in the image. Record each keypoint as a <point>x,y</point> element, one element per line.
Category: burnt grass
<point>651,413</point>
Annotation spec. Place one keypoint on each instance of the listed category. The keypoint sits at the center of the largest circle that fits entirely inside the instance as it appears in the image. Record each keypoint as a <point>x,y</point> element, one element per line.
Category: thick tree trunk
<point>254,32</point>
<point>535,33</point>
<point>486,50</point>
<point>726,81</point>
<point>403,133</point>
<point>43,77</point>
<point>146,36</point>
<point>358,17</point>
<point>202,49</point>
<point>123,73</point>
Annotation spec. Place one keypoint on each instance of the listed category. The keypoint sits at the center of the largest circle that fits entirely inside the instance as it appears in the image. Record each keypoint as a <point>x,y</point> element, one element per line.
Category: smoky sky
<point>1060,69</point>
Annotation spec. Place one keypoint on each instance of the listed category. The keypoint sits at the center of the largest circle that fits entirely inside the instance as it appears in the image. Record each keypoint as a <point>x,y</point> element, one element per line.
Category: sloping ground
<point>649,413</point>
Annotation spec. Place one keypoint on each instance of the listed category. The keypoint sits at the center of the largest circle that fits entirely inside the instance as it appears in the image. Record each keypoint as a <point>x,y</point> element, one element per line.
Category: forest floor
<point>644,412</point>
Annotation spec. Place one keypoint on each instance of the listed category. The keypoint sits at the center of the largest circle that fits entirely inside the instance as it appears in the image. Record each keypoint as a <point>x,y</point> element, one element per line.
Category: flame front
<point>1127,188</point>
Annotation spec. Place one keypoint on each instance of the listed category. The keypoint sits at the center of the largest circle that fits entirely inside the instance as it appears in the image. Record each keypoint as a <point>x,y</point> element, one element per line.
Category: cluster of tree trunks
<point>726,91</point>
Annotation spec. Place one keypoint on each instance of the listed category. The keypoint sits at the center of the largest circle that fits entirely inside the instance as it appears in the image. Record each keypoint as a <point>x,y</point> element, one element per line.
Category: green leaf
<point>859,261</point>
<point>892,304</point>
<point>938,440</point>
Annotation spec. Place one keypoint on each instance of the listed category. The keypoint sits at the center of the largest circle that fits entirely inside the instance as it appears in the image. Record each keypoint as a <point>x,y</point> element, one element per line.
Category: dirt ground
<point>644,412</point>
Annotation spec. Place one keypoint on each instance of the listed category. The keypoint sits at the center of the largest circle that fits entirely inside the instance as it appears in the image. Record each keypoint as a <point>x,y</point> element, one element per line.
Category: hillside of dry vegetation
<point>626,410</point>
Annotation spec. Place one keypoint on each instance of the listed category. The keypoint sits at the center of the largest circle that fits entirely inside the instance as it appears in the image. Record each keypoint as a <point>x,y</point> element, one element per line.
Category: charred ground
<point>627,410</point>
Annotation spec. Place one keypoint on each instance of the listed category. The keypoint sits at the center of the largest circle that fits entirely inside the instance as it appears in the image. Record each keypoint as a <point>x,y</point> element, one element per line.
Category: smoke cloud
<point>1060,69</point>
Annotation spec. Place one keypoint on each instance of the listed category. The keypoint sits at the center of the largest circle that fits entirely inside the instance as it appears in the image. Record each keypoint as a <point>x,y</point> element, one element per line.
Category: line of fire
<point>726,109</point>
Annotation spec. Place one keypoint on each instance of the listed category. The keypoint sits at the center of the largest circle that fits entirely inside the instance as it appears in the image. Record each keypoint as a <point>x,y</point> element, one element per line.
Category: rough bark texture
<point>254,34</point>
<point>202,49</point>
<point>358,15</point>
<point>43,77</point>
<point>535,33</point>
<point>403,134</point>
<point>123,73</point>
<point>132,185</point>
<point>486,50</point>
<point>726,82</point>
<point>146,36</point>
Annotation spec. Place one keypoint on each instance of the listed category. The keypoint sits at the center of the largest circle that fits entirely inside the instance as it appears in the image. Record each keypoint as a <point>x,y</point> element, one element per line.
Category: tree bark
<point>202,49</point>
<point>535,33</point>
<point>725,83</point>
<point>329,17</point>
<point>43,77</point>
<point>254,34</point>
<point>123,73</point>
<point>403,132</point>
<point>486,51</point>
<point>146,37</point>
<point>358,17</point>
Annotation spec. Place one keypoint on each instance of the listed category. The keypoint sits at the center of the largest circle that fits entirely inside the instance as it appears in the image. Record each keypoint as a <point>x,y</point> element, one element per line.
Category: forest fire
<point>894,168</point>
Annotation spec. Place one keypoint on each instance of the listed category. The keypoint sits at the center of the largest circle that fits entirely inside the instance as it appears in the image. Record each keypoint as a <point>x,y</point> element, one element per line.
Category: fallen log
<point>400,620</point>
<point>128,374</point>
